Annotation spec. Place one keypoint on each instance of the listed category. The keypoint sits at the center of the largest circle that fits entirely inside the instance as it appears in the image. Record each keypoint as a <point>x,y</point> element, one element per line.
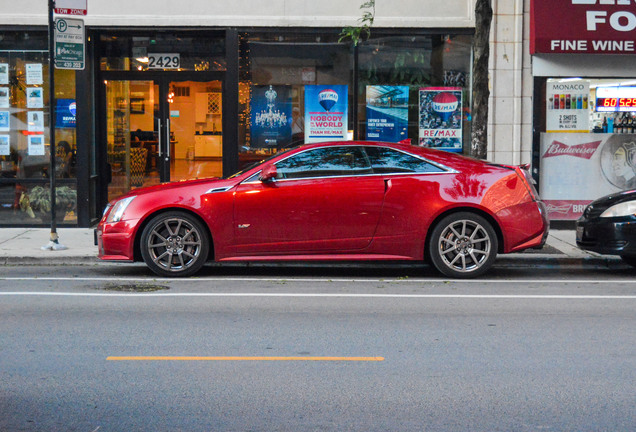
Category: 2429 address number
<point>164,61</point>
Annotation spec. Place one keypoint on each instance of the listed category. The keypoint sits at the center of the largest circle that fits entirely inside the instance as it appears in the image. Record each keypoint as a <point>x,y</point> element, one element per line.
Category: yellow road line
<point>232,358</point>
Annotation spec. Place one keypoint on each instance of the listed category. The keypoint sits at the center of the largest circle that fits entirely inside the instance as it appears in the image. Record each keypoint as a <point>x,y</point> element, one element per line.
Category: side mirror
<point>269,173</point>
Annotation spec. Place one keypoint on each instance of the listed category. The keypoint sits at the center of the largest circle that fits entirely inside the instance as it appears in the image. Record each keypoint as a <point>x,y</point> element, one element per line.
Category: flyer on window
<point>567,106</point>
<point>35,121</point>
<point>34,97</point>
<point>326,113</point>
<point>4,97</point>
<point>440,120</point>
<point>5,121</point>
<point>36,145</point>
<point>34,74</point>
<point>4,73</point>
<point>5,147</point>
<point>271,108</point>
<point>387,113</point>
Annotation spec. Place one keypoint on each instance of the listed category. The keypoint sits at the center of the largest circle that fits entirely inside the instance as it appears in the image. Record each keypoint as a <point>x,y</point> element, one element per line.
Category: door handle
<point>168,140</point>
<point>159,137</point>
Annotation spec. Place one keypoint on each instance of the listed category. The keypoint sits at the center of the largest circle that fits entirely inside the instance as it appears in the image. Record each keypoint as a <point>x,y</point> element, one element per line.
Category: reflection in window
<point>387,161</point>
<point>323,162</point>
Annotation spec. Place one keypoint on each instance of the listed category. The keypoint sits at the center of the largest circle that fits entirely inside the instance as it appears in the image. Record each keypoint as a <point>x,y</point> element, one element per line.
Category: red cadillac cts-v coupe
<point>333,201</point>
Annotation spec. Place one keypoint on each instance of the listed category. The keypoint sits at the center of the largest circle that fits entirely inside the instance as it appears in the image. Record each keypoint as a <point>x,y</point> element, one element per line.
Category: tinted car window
<point>387,161</point>
<point>323,162</point>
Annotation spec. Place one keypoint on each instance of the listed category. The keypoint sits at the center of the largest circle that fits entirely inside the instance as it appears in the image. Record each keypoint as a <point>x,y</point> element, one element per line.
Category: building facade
<point>171,93</point>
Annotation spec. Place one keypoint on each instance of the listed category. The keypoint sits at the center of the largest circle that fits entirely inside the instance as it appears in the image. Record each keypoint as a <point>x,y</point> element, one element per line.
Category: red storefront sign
<point>583,26</point>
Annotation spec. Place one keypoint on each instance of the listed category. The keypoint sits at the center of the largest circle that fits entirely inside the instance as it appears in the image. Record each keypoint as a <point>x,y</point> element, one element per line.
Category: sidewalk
<point>22,246</point>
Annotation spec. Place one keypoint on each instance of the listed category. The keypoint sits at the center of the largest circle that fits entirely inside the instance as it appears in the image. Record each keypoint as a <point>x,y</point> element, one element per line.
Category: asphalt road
<point>112,348</point>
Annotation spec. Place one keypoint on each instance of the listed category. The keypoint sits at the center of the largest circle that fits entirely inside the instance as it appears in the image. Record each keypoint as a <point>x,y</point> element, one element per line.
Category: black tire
<point>463,245</point>
<point>629,259</point>
<point>174,244</point>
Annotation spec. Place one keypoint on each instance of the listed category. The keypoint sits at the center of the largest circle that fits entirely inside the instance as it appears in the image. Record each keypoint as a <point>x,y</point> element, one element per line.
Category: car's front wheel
<point>629,259</point>
<point>174,244</point>
<point>463,245</point>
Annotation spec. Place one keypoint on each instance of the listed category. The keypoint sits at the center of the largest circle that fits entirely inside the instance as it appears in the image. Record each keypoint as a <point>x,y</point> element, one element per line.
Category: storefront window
<point>24,132</point>
<point>402,82</point>
<point>276,72</point>
<point>183,51</point>
<point>587,143</point>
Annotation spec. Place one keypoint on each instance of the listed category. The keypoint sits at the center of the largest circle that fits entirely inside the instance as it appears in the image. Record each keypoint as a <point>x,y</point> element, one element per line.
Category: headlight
<point>627,208</point>
<point>117,212</point>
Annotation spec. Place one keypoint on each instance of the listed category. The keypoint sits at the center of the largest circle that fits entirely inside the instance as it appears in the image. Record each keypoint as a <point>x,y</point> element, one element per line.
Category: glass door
<point>194,122</point>
<point>162,130</point>
<point>132,136</point>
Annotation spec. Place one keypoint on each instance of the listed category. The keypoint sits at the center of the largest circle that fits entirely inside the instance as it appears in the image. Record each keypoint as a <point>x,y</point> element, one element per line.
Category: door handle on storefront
<point>159,138</point>
<point>168,140</point>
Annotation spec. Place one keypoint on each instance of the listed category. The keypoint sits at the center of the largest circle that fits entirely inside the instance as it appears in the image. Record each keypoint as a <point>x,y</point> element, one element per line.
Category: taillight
<point>524,171</point>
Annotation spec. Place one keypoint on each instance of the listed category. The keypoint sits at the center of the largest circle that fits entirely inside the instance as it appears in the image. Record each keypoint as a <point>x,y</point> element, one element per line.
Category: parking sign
<point>69,43</point>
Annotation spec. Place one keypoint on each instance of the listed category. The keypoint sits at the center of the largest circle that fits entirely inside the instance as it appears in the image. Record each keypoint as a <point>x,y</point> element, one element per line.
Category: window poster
<point>35,121</point>
<point>577,168</point>
<point>326,112</point>
<point>567,106</point>
<point>5,147</point>
<point>440,120</point>
<point>4,73</point>
<point>36,145</point>
<point>387,113</point>
<point>271,108</point>
<point>67,108</point>
<point>4,97</point>
<point>34,97</point>
<point>34,74</point>
<point>5,121</point>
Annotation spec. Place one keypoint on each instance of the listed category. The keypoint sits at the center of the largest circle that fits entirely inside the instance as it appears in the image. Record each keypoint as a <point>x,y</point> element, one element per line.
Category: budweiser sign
<point>584,151</point>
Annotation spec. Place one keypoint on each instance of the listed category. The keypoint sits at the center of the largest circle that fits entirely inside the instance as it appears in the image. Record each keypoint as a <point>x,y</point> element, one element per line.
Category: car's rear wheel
<point>174,244</point>
<point>629,259</point>
<point>463,245</point>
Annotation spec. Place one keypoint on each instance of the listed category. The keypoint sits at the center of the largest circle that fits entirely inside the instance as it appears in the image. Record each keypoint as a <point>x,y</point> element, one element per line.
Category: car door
<point>325,200</point>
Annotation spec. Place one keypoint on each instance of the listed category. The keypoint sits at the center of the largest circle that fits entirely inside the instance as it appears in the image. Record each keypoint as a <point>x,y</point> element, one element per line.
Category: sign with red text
<point>70,7</point>
<point>582,26</point>
<point>576,169</point>
<point>440,120</point>
<point>326,113</point>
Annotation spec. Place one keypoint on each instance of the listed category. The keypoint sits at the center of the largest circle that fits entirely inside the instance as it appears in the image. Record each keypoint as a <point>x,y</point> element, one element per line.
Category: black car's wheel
<point>629,259</point>
<point>463,245</point>
<point>174,244</point>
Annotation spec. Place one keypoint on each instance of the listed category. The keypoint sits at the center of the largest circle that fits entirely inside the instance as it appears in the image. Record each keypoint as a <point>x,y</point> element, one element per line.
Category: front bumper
<point>115,242</point>
<point>609,236</point>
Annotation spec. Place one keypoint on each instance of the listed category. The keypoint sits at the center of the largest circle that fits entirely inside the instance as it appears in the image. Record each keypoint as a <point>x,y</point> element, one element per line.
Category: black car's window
<point>324,162</point>
<point>388,161</point>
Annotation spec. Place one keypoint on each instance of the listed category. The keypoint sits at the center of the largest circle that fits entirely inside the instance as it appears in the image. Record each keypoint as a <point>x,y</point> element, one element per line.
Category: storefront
<point>163,104</point>
<point>584,102</point>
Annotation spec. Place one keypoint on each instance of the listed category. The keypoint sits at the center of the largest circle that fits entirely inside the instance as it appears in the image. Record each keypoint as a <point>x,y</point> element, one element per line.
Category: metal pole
<point>53,242</point>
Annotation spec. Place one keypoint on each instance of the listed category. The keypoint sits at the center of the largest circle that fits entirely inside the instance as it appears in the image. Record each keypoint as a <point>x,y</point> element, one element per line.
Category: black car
<point>608,226</point>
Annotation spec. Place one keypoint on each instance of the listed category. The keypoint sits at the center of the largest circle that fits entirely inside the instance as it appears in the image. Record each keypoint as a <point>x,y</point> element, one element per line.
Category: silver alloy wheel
<point>464,245</point>
<point>174,244</point>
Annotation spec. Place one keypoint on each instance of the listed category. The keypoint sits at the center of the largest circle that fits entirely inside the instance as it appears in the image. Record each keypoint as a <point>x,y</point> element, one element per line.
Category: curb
<point>512,260</point>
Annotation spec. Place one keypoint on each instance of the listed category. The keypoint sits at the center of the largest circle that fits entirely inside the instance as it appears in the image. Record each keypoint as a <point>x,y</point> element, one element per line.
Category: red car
<point>333,201</point>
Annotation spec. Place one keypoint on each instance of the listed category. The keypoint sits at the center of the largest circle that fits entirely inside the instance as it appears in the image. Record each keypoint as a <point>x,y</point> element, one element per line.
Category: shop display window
<point>587,144</point>
<point>24,129</point>
<point>276,70</point>
<point>403,80</point>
